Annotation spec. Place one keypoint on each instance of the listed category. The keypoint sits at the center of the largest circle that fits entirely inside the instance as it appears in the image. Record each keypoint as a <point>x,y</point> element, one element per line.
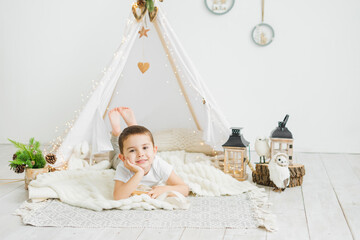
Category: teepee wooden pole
<point>107,107</point>
<point>173,66</point>
<point>112,95</point>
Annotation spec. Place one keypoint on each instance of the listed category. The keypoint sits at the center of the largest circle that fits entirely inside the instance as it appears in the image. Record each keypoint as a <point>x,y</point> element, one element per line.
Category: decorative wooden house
<point>281,140</point>
<point>235,155</point>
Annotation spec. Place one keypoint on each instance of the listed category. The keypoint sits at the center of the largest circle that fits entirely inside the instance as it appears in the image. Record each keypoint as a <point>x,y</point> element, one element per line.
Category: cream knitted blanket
<point>93,189</point>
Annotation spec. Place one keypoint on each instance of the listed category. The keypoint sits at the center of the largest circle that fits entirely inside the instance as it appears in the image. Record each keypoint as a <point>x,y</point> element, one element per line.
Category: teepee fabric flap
<point>100,135</point>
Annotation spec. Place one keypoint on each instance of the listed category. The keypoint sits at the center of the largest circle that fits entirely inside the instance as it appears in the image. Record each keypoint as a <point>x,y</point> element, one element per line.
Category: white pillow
<point>181,139</point>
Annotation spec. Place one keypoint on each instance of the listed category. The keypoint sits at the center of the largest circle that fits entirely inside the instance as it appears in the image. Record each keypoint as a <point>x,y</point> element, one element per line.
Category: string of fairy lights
<point>107,72</point>
<point>198,97</point>
<point>68,126</point>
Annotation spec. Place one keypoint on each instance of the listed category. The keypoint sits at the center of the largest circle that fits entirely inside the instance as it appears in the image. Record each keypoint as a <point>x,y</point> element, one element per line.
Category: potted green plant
<point>29,158</point>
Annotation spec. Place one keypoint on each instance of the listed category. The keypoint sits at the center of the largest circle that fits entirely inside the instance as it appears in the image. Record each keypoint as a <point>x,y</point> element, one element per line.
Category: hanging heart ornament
<point>143,66</point>
<point>153,14</point>
<point>139,9</point>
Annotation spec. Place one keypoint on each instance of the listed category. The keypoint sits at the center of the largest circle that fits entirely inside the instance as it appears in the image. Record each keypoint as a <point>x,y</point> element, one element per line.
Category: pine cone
<point>14,156</point>
<point>50,158</point>
<point>19,168</point>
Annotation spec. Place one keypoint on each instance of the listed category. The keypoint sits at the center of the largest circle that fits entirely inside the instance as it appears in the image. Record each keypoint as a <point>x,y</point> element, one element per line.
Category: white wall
<point>51,50</point>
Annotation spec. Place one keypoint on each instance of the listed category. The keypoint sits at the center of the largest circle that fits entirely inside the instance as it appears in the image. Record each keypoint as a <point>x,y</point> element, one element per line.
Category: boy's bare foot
<point>128,115</point>
<point>114,117</point>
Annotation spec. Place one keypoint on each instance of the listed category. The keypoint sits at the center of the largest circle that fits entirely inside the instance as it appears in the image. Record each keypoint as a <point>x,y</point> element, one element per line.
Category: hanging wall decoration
<point>219,7</point>
<point>143,66</point>
<point>139,9</point>
<point>143,32</point>
<point>262,34</point>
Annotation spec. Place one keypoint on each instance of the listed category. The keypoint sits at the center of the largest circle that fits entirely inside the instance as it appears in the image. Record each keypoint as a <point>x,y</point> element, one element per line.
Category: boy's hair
<point>133,130</point>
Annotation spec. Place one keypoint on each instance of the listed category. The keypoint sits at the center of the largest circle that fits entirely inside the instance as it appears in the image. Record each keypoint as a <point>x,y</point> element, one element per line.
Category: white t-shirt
<point>159,173</point>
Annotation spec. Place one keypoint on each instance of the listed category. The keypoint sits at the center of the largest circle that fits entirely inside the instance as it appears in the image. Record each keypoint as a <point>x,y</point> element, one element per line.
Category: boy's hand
<point>133,167</point>
<point>157,191</point>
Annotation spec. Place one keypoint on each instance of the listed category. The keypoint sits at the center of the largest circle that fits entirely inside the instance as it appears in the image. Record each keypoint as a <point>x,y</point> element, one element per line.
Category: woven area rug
<point>204,212</point>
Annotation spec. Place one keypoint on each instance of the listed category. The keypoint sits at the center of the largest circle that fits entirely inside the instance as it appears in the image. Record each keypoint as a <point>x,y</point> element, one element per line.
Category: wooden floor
<point>327,206</point>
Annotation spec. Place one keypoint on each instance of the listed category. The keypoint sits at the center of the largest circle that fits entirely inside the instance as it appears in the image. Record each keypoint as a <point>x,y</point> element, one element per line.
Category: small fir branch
<point>22,147</point>
<point>29,164</point>
<point>23,156</point>
<point>37,145</point>
<point>17,162</point>
<point>28,154</point>
<point>18,145</point>
<point>13,164</point>
<point>40,161</point>
<point>150,5</point>
<point>31,142</point>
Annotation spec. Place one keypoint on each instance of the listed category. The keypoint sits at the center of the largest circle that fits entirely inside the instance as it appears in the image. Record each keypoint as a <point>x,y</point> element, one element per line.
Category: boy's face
<point>139,150</point>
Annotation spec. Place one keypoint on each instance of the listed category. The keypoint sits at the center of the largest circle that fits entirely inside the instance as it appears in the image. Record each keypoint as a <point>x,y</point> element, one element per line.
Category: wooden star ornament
<point>143,32</point>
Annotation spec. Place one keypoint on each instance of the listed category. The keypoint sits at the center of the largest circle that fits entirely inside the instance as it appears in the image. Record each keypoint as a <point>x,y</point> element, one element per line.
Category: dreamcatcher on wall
<point>219,7</point>
<point>262,34</point>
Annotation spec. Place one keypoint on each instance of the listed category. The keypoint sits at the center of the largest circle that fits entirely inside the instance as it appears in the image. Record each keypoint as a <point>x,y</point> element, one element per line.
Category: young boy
<point>140,165</point>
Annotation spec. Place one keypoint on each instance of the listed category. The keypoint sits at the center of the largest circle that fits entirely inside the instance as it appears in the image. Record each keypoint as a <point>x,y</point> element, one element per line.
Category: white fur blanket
<point>93,189</point>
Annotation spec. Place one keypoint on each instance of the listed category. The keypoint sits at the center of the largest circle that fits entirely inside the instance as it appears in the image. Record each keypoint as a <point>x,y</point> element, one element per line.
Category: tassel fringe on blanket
<point>93,189</point>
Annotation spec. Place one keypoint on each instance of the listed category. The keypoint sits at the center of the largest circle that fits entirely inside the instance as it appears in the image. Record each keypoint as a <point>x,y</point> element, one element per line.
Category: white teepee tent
<point>171,94</point>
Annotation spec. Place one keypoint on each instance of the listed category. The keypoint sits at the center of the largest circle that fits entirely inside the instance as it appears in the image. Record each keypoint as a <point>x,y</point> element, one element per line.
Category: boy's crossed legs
<point>114,116</point>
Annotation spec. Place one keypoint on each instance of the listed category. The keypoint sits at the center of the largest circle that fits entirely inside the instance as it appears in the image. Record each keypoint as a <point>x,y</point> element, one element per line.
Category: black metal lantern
<point>281,140</point>
<point>235,155</point>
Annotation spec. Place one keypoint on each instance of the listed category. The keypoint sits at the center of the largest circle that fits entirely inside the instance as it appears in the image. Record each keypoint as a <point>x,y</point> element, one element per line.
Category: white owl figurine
<point>279,171</point>
<point>262,148</point>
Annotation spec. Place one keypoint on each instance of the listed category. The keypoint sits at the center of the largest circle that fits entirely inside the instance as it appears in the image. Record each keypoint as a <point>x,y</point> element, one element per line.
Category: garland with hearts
<point>139,10</point>
<point>140,7</point>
